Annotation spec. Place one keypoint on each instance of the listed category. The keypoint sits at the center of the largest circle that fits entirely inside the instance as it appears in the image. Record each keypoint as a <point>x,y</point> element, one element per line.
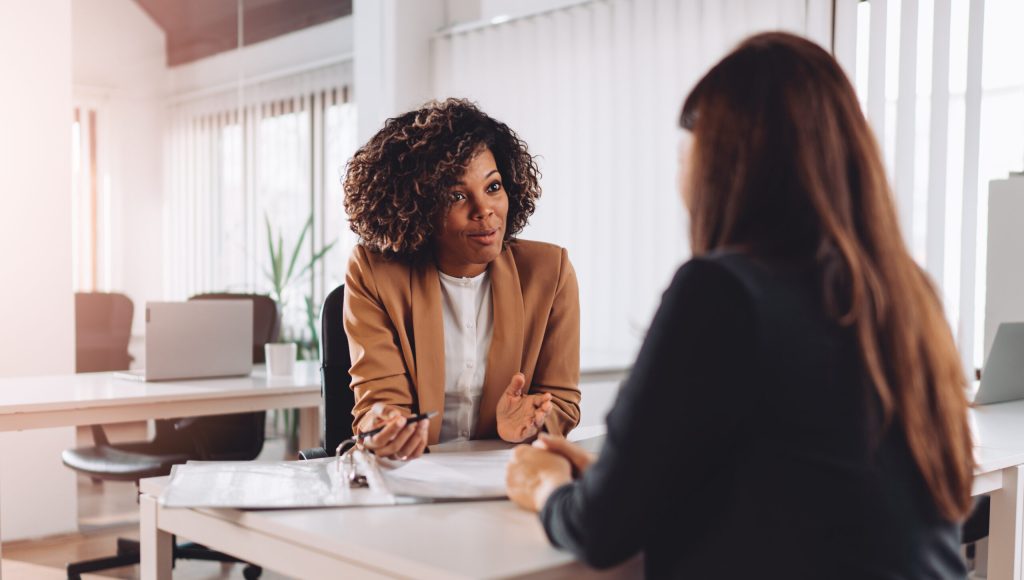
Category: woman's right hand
<point>397,440</point>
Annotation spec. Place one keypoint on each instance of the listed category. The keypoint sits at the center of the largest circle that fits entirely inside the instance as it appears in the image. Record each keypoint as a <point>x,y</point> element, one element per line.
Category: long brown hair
<point>784,164</point>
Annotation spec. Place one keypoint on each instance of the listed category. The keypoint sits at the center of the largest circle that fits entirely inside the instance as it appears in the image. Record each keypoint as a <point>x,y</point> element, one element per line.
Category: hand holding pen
<point>395,436</point>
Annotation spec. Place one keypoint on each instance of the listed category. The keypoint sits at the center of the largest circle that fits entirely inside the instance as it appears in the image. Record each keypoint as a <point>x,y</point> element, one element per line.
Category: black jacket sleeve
<point>676,416</point>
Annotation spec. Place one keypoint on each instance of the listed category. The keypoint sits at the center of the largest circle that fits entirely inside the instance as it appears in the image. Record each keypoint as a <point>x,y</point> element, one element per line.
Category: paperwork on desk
<point>319,482</point>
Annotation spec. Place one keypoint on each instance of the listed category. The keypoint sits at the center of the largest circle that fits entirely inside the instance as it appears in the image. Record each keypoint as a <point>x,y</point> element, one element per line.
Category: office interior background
<point>162,148</point>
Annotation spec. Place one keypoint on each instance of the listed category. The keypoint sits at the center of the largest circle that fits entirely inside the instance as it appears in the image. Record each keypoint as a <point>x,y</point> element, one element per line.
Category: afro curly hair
<point>397,186</point>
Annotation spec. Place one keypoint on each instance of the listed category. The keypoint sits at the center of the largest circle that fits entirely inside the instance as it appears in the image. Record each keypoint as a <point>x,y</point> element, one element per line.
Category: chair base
<point>127,555</point>
<point>128,552</point>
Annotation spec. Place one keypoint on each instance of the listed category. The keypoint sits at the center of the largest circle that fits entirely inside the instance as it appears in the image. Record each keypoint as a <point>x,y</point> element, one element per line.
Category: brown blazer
<point>396,334</point>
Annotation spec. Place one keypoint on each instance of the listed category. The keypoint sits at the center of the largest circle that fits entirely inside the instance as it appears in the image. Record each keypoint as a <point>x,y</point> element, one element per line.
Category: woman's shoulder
<point>719,276</point>
<point>541,262</point>
<point>732,266</point>
<point>367,263</point>
<point>530,251</point>
<point>542,269</point>
<point>768,285</point>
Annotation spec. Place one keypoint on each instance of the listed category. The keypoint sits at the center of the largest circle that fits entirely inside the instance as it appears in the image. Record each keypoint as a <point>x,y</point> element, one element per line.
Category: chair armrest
<point>313,453</point>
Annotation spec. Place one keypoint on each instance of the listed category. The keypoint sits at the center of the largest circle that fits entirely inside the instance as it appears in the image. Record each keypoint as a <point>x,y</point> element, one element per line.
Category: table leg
<point>1006,526</point>
<point>156,548</point>
<point>1,543</point>
<point>309,427</point>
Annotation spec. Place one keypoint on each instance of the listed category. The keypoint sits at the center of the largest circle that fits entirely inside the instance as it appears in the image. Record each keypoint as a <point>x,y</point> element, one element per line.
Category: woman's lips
<point>484,237</point>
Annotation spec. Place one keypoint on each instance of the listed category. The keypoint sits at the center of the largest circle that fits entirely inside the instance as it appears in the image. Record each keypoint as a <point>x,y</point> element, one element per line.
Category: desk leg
<point>1,544</point>
<point>1006,526</point>
<point>156,548</point>
<point>309,427</point>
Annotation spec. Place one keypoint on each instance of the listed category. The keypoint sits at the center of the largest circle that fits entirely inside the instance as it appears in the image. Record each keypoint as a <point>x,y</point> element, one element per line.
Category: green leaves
<point>281,277</point>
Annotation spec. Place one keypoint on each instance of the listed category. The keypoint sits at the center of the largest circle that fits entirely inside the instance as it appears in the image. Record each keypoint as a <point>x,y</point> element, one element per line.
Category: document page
<point>266,484</point>
<point>452,475</point>
<point>462,475</point>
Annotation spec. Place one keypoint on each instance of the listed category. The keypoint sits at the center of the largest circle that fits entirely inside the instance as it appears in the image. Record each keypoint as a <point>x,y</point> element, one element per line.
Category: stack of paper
<point>322,482</point>
<point>468,475</point>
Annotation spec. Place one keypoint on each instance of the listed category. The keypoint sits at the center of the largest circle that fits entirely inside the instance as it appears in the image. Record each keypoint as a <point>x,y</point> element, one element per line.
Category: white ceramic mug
<point>280,358</point>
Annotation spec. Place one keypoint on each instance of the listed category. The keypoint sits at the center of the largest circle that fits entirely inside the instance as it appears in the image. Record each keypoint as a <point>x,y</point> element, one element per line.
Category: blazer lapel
<point>505,356</point>
<point>428,334</point>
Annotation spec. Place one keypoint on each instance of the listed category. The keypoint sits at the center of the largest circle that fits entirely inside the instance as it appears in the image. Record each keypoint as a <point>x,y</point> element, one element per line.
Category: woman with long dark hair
<point>798,408</point>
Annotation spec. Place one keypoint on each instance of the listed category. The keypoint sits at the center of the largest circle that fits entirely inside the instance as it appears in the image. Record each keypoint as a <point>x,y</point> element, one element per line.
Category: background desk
<point>998,432</point>
<point>98,398</point>
<point>485,539</point>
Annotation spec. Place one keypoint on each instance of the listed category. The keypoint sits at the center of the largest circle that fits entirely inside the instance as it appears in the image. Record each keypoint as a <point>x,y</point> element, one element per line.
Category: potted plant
<point>282,276</point>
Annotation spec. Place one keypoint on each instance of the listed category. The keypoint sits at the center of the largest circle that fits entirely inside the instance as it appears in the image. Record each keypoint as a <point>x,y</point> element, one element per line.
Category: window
<point>238,161</point>
<point>960,126</point>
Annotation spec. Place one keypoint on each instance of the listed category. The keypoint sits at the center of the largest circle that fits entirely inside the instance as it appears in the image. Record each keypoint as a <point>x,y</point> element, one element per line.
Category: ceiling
<point>196,29</point>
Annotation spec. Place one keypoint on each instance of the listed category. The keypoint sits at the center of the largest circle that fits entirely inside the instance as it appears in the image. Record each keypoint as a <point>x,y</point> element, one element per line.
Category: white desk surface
<point>91,398</point>
<point>484,539</point>
<point>998,426</point>
<point>99,398</point>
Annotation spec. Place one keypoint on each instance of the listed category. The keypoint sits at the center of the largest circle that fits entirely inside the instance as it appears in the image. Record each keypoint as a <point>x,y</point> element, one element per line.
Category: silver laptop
<point>196,339</point>
<point>1003,376</point>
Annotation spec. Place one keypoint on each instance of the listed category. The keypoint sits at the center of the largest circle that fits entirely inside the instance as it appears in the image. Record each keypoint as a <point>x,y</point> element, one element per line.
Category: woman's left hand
<point>520,415</point>
<point>533,474</point>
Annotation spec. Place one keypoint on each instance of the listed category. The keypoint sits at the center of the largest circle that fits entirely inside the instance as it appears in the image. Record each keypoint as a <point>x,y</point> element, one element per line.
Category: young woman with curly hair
<point>445,309</point>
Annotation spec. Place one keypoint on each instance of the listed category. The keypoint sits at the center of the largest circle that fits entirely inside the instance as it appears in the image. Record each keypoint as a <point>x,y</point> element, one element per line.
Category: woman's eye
<point>458,196</point>
<point>496,186</point>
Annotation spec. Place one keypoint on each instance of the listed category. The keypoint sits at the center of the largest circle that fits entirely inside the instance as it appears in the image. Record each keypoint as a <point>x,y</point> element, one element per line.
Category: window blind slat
<point>906,107</point>
<point>969,271</point>
<point>935,251</point>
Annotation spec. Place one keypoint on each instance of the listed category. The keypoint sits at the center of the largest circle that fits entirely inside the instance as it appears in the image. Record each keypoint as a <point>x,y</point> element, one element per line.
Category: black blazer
<point>746,444</point>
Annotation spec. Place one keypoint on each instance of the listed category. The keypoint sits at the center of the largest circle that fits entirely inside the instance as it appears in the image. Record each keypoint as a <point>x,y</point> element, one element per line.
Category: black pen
<point>412,419</point>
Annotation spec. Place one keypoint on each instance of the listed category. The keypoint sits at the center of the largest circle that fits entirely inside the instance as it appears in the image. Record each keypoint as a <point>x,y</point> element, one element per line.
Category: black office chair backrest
<point>335,380</point>
<point>103,328</point>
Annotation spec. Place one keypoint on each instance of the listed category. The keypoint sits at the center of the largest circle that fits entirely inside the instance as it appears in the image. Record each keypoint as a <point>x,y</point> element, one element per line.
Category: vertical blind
<point>268,151</point>
<point>946,128</point>
<point>595,90</point>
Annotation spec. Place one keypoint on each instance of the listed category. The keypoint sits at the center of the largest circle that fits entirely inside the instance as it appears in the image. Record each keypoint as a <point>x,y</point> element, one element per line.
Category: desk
<point>98,398</point>
<point>484,539</point>
<point>998,433</point>
<point>495,539</point>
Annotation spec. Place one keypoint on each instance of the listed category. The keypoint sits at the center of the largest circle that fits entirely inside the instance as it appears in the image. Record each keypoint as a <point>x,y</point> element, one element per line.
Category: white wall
<point>36,302</point>
<point>392,57</point>
<point>118,66</point>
